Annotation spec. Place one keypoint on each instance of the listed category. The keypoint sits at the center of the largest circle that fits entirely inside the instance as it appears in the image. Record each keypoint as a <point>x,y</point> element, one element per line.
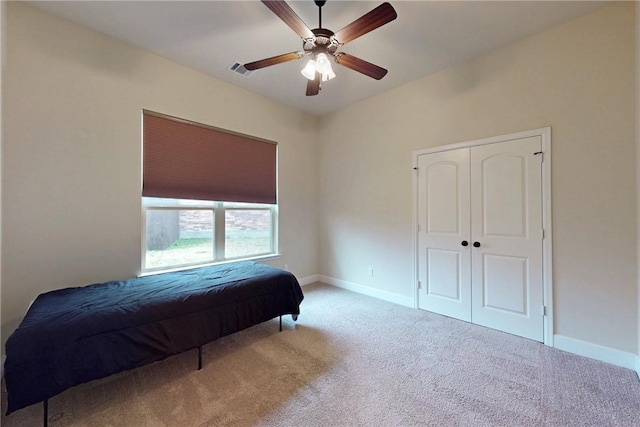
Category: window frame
<point>218,210</point>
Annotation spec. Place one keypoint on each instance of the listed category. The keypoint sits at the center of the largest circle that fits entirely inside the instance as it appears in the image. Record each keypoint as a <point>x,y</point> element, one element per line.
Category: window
<point>192,232</point>
<point>208,195</point>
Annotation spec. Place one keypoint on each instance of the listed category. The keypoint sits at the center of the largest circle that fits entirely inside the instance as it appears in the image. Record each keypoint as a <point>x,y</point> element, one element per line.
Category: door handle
<point>476,244</point>
<point>464,243</point>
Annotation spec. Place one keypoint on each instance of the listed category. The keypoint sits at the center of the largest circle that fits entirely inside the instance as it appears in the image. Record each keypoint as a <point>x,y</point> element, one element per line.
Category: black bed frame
<point>45,403</point>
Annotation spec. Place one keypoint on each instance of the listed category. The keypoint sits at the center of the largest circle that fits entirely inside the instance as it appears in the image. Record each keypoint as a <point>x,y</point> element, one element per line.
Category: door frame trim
<point>547,246</point>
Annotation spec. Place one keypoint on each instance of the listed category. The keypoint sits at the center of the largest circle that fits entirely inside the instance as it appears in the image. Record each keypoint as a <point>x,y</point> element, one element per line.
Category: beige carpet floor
<point>352,360</point>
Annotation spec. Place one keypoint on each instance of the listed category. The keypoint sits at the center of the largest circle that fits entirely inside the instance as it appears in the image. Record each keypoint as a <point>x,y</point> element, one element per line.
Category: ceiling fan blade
<point>273,60</point>
<point>360,65</point>
<point>313,86</point>
<point>284,12</point>
<point>379,16</point>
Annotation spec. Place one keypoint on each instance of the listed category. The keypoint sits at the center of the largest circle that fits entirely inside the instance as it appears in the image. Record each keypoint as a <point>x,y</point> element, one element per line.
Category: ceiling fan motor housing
<point>323,41</point>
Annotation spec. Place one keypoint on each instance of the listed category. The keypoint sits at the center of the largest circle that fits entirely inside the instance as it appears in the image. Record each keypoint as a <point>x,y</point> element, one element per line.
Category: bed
<point>75,335</point>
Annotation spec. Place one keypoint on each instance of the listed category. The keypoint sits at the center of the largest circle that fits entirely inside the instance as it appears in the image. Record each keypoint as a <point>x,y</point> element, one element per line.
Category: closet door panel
<point>443,223</point>
<point>506,224</point>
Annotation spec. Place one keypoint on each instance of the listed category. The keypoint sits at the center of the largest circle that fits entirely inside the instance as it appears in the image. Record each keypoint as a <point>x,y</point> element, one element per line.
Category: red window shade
<point>184,160</point>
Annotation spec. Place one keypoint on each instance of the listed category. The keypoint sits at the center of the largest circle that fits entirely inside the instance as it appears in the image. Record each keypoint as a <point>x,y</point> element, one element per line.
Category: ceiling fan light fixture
<point>322,62</point>
<point>320,65</point>
<point>309,70</point>
<point>328,76</point>
<point>324,67</point>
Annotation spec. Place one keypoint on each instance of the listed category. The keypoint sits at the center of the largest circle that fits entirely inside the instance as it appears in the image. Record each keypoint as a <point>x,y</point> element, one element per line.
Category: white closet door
<point>443,224</point>
<point>506,223</point>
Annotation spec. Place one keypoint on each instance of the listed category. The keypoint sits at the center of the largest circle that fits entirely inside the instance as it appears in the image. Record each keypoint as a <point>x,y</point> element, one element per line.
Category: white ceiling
<point>427,36</point>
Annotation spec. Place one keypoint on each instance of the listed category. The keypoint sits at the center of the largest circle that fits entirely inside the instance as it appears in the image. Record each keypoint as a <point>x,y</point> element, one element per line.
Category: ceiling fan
<point>320,43</point>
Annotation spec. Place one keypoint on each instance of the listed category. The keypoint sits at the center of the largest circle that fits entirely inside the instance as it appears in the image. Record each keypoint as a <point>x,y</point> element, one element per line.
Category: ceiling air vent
<point>237,67</point>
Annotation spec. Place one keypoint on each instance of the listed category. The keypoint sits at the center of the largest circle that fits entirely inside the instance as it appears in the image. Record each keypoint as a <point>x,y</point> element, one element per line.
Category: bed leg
<point>199,357</point>
<point>45,407</point>
<point>280,323</point>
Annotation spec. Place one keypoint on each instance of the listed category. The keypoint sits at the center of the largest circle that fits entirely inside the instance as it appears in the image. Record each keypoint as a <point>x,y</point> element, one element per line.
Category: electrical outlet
<point>370,271</point>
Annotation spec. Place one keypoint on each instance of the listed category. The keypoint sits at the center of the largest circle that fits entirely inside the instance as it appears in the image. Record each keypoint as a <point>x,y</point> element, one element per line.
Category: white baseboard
<point>369,291</point>
<point>638,366</point>
<point>309,280</point>
<point>598,352</point>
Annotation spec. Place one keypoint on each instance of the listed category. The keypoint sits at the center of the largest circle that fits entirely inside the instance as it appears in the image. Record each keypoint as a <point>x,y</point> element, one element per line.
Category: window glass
<point>178,237</point>
<point>247,232</point>
<point>180,233</point>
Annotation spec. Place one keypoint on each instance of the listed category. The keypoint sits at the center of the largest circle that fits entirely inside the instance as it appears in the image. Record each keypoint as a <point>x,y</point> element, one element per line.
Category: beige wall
<point>576,78</point>
<point>71,167</point>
